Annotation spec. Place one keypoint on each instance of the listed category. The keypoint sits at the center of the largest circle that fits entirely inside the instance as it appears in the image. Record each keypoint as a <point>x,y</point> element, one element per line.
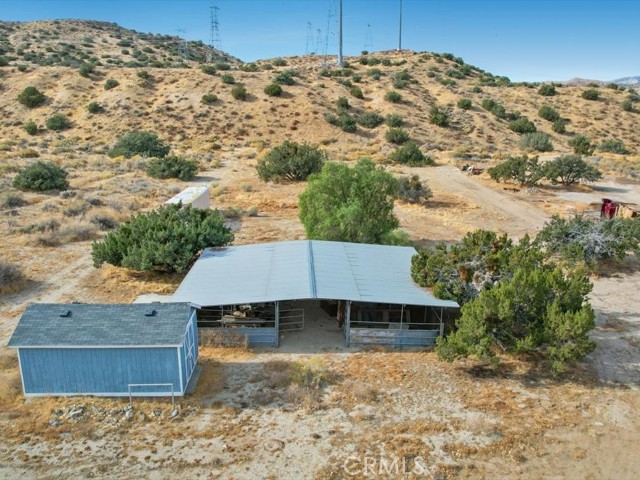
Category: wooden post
<point>277,325</point>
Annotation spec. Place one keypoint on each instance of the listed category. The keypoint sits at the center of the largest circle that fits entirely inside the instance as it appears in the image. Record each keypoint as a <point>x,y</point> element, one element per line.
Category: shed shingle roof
<point>305,269</point>
<point>91,325</point>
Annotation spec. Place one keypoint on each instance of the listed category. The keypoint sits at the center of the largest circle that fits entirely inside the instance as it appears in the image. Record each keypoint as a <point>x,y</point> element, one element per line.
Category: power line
<point>215,43</point>
<point>340,35</point>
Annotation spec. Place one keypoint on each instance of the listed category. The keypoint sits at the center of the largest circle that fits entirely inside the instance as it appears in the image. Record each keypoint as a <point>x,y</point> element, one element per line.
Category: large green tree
<point>350,204</point>
<point>166,239</point>
<point>569,169</point>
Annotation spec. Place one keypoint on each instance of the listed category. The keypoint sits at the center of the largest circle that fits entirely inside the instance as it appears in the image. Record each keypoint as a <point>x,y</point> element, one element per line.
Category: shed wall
<point>98,371</point>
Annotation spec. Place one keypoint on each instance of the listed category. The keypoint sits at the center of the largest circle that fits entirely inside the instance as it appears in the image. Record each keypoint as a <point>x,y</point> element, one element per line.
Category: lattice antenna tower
<point>183,47</point>
<point>309,47</point>
<point>368,39</point>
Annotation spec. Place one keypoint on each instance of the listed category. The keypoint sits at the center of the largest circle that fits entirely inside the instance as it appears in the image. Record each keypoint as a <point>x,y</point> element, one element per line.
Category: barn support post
<point>277,324</point>
<point>347,325</point>
<point>441,322</point>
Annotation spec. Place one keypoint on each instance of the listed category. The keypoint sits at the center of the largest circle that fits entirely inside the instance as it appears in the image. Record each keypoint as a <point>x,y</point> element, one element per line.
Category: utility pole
<point>340,62</point>
<point>400,31</point>
<point>309,48</point>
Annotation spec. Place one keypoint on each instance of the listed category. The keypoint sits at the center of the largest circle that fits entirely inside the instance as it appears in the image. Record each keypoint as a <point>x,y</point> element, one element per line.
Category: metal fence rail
<point>150,394</point>
<point>292,319</point>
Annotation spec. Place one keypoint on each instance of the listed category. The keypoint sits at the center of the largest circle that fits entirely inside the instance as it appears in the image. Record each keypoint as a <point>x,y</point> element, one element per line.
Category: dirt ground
<point>355,413</point>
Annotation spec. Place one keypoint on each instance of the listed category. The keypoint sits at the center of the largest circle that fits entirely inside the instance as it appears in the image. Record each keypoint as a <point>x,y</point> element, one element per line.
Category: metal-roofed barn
<point>260,291</point>
<point>106,350</point>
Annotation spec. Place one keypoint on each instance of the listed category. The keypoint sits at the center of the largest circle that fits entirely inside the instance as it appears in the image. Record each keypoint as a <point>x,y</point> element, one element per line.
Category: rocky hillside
<point>169,101</point>
<point>72,43</point>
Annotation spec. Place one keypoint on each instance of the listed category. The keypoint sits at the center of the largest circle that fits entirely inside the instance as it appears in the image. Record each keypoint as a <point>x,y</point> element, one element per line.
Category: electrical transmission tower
<point>309,48</point>
<point>183,47</point>
<point>368,39</point>
<point>214,32</point>
<point>318,41</point>
<point>331,20</point>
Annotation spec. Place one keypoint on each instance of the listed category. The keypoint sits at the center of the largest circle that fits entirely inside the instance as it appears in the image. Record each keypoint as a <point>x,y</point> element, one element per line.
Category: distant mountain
<point>580,82</point>
<point>628,80</point>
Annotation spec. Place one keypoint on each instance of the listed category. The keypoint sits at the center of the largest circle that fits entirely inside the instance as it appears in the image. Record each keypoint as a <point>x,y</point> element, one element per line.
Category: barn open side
<point>252,290</point>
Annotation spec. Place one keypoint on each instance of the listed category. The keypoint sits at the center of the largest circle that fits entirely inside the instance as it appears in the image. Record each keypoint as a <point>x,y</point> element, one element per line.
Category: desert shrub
<point>627,105</point>
<point>172,167</point>
<point>11,278</point>
<point>464,103</point>
<point>143,75</point>
<point>488,104</point>
<point>569,169</point>
<point>514,301</point>
<point>58,122</point>
<point>356,92</point>
<point>166,239</point>
<point>94,107</point>
<point>41,176</point>
<point>370,119</point>
<point>104,219</point>
<point>582,145</point>
<point>589,240</point>
<point>209,98</point>
<point>524,170</point>
<point>538,141</point>
<point>284,78</point>
<point>12,200</point>
<point>438,116</point>
<point>111,83</point>
<point>548,113</point>
<point>222,66</point>
<point>239,92</point>
<point>346,122</point>
<point>476,89</point>
<point>290,161</point>
<point>279,62</point>
<point>342,103</point>
<point>397,136</point>
<point>31,128</point>
<point>547,90</point>
<point>412,190</point>
<point>410,155</point>
<point>31,97</point>
<point>28,153</point>
<point>394,120</point>
<point>559,126</point>
<point>273,90</point>
<point>522,125</point>
<point>139,143</point>
<point>350,204</point>
<point>86,69</point>
<point>590,94</point>
<point>393,97</point>
<point>228,79</point>
<point>613,146</point>
<point>208,69</point>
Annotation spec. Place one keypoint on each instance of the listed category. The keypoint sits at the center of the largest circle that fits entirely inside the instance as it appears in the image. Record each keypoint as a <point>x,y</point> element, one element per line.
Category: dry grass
<point>222,338</point>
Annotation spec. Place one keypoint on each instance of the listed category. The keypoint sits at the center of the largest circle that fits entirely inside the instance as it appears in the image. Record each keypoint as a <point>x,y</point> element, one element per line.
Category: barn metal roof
<point>304,269</point>
<point>95,325</point>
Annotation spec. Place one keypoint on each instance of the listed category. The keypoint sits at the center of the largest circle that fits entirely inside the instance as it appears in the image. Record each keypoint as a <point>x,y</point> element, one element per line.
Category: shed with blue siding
<point>106,350</point>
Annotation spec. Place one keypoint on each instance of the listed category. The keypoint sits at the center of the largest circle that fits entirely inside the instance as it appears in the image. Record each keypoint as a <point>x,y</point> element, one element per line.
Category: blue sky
<point>522,39</point>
